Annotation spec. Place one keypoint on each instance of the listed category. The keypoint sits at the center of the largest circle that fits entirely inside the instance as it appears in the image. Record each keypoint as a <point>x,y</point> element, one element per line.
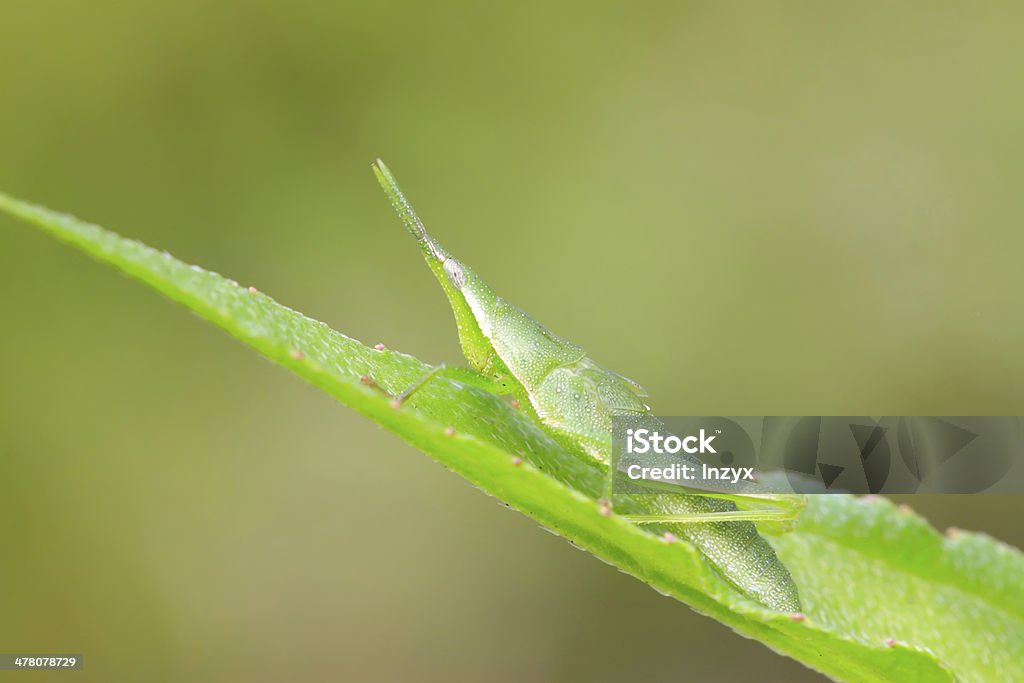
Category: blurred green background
<point>826,198</point>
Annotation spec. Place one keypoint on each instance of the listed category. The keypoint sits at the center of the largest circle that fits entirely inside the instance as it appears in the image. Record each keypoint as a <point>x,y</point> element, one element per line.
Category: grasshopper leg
<point>462,375</point>
<point>708,517</point>
<point>778,511</point>
<point>421,382</point>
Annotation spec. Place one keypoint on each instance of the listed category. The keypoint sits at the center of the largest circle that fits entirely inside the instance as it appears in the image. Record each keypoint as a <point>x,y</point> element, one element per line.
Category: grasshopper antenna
<point>405,211</point>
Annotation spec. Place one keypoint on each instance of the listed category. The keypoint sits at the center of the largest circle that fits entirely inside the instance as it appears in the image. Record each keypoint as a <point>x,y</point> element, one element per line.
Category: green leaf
<point>885,597</point>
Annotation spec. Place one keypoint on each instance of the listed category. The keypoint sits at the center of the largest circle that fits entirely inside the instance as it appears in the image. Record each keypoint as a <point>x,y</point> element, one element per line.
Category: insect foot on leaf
<point>369,381</point>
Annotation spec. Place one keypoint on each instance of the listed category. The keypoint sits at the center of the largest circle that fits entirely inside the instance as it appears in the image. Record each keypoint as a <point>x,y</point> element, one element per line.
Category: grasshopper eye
<point>453,269</point>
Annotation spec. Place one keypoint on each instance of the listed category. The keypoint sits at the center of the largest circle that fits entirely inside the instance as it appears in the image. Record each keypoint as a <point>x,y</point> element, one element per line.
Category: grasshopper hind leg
<point>770,512</point>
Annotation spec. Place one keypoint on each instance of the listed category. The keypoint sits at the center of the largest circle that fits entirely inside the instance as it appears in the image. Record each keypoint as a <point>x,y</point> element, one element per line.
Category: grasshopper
<point>574,400</point>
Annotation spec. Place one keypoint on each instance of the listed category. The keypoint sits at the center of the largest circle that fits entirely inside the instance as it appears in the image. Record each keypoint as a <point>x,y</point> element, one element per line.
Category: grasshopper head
<point>454,271</point>
<point>472,301</point>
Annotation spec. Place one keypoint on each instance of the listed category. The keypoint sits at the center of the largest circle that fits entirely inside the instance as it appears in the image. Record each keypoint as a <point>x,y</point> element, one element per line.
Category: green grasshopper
<point>574,400</point>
